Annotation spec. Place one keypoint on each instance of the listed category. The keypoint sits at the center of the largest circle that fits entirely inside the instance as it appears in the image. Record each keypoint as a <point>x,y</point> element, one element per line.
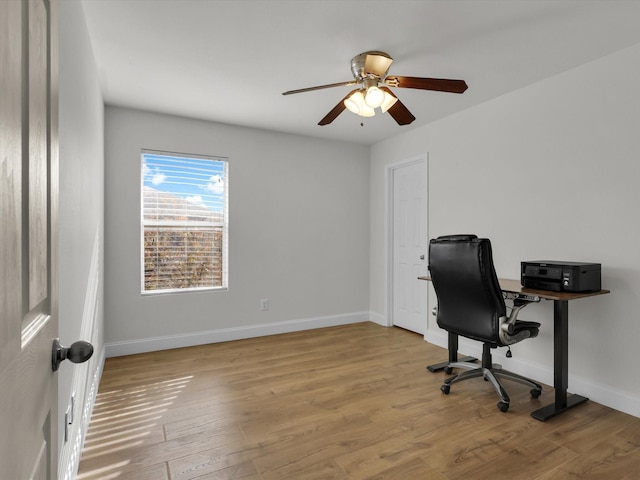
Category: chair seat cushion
<point>532,327</point>
<point>520,330</point>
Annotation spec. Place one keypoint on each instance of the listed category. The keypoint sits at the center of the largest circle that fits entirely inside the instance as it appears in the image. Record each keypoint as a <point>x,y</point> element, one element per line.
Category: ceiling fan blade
<point>335,111</point>
<point>320,87</point>
<point>398,111</point>
<point>438,84</point>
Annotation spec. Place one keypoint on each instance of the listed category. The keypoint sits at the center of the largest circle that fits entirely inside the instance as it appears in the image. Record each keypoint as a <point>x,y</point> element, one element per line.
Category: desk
<point>562,401</point>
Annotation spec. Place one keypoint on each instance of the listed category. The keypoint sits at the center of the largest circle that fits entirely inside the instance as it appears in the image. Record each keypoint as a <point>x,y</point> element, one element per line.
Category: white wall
<point>81,260</point>
<point>547,172</point>
<point>298,234</point>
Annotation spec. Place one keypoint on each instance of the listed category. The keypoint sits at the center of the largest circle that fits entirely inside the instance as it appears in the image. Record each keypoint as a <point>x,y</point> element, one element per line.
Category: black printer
<point>561,276</point>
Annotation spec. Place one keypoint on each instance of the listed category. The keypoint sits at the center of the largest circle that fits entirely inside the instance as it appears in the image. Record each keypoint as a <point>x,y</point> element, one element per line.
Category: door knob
<point>78,352</point>
<point>422,257</point>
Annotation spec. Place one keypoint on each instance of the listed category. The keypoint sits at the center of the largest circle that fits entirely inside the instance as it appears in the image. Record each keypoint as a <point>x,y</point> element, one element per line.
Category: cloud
<point>152,175</point>
<point>195,199</point>
<point>215,185</point>
<point>158,178</point>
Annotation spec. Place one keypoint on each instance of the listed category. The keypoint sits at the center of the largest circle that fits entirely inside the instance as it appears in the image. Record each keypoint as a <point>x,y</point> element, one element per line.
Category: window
<point>184,222</point>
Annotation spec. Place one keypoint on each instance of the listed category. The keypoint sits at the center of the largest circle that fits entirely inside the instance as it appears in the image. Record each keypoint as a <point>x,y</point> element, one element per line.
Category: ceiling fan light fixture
<point>367,111</point>
<point>374,97</point>
<point>356,104</point>
<point>388,102</point>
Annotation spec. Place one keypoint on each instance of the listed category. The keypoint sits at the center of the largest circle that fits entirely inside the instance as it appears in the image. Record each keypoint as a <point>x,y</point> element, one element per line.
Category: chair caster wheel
<point>448,370</point>
<point>445,389</point>
<point>535,393</point>
<point>503,406</point>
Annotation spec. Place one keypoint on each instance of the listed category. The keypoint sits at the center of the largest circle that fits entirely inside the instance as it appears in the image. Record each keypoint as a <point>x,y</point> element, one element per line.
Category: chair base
<point>446,366</point>
<point>490,372</point>
<point>453,356</point>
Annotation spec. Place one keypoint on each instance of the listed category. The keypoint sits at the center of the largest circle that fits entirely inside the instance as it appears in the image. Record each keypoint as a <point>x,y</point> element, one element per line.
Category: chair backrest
<point>470,301</point>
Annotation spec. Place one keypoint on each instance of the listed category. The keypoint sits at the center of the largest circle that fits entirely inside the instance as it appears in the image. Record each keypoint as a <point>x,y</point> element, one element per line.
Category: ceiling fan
<point>370,73</point>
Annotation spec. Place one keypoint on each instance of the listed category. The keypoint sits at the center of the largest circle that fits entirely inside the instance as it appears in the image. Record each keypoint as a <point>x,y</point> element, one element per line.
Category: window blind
<point>184,222</point>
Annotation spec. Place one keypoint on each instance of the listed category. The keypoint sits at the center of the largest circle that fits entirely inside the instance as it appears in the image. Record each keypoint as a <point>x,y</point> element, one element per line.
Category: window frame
<point>224,224</point>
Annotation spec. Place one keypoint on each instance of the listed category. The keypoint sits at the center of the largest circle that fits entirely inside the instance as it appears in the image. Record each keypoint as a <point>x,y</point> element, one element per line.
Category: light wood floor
<point>350,402</point>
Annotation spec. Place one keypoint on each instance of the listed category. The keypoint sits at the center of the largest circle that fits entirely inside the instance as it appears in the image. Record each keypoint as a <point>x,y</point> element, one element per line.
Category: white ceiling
<point>229,60</point>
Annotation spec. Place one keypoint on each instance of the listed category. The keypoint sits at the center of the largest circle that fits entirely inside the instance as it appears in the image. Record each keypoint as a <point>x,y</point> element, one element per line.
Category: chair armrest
<point>519,302</point>
<point>508,324</point>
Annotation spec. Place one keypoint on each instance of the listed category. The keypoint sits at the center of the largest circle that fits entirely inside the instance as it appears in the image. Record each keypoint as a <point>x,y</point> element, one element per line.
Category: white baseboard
<point>379,319</point>
<point>597,392</point>
<point>152,344</point>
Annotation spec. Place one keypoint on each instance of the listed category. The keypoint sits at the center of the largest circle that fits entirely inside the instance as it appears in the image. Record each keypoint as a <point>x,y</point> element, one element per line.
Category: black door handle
<point>78,352</point>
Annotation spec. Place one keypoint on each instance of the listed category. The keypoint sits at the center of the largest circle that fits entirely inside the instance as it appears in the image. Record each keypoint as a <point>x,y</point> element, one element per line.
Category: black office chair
<point>471,304</point>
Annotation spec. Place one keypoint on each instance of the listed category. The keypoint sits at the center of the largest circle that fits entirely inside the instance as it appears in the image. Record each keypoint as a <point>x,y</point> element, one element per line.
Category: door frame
<point>390,176</point>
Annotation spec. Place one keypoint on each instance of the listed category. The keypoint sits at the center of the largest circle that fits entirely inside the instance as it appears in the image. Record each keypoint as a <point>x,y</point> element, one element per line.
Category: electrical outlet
<point>264,304</point>
<point>67,415</point>
<point>72,406</point>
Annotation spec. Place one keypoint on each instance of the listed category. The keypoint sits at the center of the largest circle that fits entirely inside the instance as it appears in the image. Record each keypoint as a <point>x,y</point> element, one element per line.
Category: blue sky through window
<point>200,181</point>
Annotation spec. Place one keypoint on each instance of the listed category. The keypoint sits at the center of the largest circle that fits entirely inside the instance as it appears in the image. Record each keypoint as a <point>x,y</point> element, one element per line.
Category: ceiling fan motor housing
<point>370,64</point>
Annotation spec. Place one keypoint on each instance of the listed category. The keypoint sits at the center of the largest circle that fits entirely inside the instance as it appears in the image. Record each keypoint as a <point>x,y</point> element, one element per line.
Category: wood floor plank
<point>347,403</point>
<point>614,458</point>
<point>118,470</point>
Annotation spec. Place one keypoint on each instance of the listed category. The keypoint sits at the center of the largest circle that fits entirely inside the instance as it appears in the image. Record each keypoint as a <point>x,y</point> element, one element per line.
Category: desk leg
<point>453,355</point>
<point>560,365</point>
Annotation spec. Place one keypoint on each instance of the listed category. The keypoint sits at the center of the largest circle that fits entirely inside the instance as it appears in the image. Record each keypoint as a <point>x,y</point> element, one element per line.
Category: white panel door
<point>28,193</point>
<point>409,250</point>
